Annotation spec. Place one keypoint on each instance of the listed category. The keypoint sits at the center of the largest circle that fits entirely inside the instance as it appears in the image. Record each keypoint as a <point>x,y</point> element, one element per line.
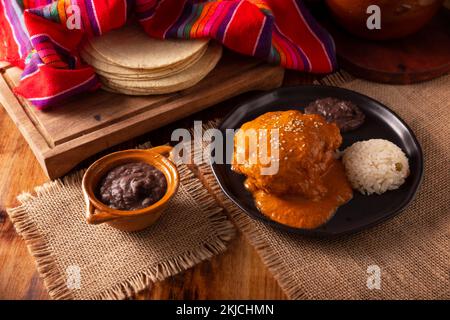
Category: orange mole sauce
<point>300,212</point>
<point>310,184</point>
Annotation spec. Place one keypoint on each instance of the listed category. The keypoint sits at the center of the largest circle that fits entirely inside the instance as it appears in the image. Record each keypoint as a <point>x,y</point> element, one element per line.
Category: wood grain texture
<point>19,171</point>
<point>419,57</point>
<point>4,65</point>
<point>236,274</point>
<point>64,136</point>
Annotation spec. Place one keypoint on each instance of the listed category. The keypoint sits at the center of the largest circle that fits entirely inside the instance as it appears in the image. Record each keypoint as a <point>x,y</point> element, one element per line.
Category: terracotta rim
<point>97,170</point>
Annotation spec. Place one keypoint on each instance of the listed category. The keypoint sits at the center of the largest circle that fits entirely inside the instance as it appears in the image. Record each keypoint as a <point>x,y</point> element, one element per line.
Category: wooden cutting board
<point>63,136</point>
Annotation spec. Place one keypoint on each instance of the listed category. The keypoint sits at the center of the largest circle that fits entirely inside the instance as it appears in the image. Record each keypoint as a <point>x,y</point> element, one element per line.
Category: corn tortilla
<point>180,81</point>
<point>131,47</point>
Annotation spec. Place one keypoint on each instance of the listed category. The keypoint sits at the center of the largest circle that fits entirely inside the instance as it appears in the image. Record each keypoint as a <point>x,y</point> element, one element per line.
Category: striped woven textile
<point>42,36</point>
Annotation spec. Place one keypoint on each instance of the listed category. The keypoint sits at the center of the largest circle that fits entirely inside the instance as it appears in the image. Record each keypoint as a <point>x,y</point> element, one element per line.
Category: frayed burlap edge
<point>37,246</point>
<point>54,280</point>
<point>335,79</point>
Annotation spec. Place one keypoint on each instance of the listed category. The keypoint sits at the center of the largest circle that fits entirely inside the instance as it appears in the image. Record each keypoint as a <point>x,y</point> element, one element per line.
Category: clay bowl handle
<point>162,150</point>
<point>95,216</point>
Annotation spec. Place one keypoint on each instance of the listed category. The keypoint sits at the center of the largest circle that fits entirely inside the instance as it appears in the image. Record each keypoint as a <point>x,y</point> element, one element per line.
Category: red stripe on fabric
<point>223,8</point>
<point>248,20</point>
<point>215,10</point>
<point>167,14</point>
<point>196,27</point>
<point>36,25</point>
<point>199,26</point>
<point>110,14</point>
<point>142,6</point>
<point>276,42</point>
<point>289,22</point>
<point>9,51</point>
<point>51,81</point>
<point>289,48</point>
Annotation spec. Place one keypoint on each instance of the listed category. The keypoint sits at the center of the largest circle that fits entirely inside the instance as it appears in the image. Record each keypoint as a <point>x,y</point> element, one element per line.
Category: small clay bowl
<point>134,220</point>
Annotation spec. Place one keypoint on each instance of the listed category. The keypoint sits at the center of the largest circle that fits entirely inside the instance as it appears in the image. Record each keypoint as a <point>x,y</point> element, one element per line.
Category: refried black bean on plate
<point>345,114</point>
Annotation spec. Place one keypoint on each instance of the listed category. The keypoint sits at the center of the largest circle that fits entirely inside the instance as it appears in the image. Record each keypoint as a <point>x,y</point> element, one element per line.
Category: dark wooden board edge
<point>389,77</point>
<point>20,118</point>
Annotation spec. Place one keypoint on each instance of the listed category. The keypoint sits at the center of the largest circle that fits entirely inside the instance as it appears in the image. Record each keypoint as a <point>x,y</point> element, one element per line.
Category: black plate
<point>362,211</point>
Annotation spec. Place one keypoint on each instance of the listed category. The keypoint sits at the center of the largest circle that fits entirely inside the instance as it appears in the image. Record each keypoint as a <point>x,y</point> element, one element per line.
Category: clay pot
<point>399,18</point>
<point>98,212</point>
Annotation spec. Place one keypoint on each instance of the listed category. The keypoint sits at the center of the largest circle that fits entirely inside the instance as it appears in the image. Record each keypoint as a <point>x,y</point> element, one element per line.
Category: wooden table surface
<point>236,274</point>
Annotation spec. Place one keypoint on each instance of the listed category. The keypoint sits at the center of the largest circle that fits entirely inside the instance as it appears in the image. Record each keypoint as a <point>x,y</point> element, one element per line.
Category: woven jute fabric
<point>81,261</point>
<point>412,250</point>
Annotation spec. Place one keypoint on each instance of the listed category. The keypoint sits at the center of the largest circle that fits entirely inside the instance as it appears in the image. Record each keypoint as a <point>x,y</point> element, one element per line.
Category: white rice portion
<point>375,166</point>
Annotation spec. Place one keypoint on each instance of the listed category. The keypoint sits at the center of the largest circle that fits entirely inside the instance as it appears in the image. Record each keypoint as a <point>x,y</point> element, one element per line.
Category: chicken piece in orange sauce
<point>310,183</point>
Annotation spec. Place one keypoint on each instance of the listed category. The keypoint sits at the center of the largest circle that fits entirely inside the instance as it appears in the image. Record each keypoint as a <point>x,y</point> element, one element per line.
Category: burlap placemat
<point>81,261</point>
<point>411,250</point>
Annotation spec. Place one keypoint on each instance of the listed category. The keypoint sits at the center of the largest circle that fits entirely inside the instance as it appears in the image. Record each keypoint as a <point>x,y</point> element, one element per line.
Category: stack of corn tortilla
<point>128,61</point>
